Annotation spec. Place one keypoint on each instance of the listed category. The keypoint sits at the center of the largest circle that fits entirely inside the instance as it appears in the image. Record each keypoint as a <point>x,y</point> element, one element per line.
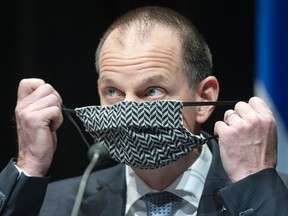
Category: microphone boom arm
<point>83,183</point>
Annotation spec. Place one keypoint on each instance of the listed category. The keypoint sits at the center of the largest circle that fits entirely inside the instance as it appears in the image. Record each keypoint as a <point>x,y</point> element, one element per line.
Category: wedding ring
<point>229,114</point>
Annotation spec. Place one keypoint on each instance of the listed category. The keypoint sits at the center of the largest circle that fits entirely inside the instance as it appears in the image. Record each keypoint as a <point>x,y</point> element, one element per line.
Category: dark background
<point>56,41</point>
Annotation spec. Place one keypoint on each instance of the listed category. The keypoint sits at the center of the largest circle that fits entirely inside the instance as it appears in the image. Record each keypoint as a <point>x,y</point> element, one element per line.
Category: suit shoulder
<point>70,185</point>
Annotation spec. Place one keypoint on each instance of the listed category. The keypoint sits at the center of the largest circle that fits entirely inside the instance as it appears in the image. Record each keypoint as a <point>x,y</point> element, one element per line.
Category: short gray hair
<point>197,58</point>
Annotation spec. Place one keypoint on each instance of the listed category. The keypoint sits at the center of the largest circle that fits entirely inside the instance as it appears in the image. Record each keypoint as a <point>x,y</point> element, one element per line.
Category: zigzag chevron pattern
<point>145,134</point>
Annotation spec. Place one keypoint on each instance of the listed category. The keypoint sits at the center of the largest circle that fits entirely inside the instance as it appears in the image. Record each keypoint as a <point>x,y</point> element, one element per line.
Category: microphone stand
<point>83,184</point>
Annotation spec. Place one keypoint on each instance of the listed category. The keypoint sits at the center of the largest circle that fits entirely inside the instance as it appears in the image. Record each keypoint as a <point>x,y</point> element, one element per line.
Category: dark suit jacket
<point>263,193</point>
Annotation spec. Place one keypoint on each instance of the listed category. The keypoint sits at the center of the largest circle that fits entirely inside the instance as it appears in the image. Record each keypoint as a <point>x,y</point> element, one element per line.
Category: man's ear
<point>207,90</point>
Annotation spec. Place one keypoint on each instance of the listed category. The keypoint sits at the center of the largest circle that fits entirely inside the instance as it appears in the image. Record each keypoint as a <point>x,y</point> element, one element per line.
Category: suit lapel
<point>107,193</point>
<point>216,179</point>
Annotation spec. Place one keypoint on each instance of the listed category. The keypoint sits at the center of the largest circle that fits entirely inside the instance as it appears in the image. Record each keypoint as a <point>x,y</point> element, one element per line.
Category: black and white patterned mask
<point>146,135</point>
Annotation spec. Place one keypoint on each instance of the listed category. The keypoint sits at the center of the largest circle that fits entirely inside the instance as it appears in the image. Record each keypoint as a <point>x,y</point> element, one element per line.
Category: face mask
<point>145,135</point>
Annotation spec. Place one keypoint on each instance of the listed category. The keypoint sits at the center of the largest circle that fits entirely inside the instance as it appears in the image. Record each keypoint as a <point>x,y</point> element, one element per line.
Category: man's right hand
<point>38,116</point>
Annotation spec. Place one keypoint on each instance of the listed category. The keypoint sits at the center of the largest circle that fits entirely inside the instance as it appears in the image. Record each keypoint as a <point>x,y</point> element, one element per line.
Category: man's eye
<point>112,92</point>
<point>154,92</point>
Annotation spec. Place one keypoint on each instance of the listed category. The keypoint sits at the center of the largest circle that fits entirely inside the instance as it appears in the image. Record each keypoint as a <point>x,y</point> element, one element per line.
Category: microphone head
<point>104,159</point>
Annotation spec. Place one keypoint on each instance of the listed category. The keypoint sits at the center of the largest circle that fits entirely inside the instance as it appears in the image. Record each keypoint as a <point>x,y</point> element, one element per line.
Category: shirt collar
<point>189,185</point>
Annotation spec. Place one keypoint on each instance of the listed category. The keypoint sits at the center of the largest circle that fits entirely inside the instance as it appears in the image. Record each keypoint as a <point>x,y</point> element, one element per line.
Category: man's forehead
<point>141,34</point>
<point>132,43</point>
<point>147,78</point>
<point>157,52</point>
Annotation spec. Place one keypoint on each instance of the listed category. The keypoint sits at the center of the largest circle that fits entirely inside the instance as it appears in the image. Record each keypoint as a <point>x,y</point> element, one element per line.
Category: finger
<point>220,127</point>
<point>259,105</point>
<point>27,86</point>
<point>41,92</point>
<point>45,102</point>
<point>36,108</point>
<point>245,111</point>
<point>231,117</point>
<point>228,113</point>
<point>54,115</point>
<point>49,118</point>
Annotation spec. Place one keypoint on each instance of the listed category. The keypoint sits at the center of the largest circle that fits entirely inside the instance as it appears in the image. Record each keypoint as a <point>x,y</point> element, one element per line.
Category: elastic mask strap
<point>210,103</point>
<point>68,113</point>
<point>209,138</point>
<point>67,110</point>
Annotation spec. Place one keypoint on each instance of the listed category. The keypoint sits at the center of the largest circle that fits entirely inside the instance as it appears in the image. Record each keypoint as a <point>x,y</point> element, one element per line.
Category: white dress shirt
<point>188,186</point>
<point>21,171</point>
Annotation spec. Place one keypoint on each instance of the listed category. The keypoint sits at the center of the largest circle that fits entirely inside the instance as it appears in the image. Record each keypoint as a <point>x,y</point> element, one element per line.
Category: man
<point>151,54</point>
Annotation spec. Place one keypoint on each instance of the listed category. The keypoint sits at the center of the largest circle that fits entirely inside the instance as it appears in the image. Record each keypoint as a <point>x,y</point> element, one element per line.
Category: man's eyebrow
<point>106,79</point>
<point>157,78</point>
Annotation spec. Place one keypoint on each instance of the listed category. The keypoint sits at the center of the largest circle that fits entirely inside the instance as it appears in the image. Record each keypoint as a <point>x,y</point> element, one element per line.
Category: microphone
<point>98,156</point>
<point>103,154</point>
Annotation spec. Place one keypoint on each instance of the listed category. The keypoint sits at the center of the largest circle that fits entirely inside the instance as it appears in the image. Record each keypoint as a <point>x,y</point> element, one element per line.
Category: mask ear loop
<point>68,112</point>
<point>210,103</point>
<point>209,138</point>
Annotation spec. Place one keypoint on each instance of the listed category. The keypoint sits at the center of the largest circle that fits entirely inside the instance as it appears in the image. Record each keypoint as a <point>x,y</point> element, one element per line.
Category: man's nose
<point>132,97</point>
